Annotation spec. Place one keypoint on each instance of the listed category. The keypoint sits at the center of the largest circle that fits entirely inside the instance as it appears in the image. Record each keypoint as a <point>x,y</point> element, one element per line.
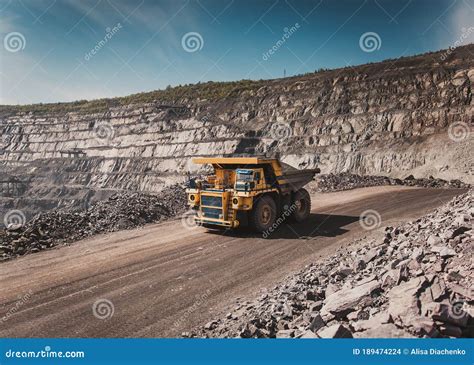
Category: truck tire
<point>263,214</point>
<point>302,203</point>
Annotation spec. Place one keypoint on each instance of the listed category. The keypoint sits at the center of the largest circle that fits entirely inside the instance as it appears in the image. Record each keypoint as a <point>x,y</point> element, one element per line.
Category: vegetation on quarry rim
<point>212,91</point>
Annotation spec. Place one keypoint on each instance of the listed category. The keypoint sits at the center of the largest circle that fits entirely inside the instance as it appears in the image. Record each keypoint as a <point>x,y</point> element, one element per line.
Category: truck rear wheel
<point>302,206</point>
<point>263,214</point>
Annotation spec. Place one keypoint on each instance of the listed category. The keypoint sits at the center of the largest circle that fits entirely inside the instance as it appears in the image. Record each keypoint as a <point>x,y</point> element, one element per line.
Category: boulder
<point>446,252</point>
<point>434,240</point>
<point>317,323</point>
<point>285,333</point>
<point>403,300</point>
<point>335,331</point>
<point>450,313</point>
<point>345,301</point>
<point>388,330</point>
<point>372,322</point>
<point>308,334</point>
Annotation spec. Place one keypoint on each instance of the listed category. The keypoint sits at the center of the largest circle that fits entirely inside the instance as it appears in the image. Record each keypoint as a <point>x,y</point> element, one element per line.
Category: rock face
<point>404,288</point>
<point>409,116</point>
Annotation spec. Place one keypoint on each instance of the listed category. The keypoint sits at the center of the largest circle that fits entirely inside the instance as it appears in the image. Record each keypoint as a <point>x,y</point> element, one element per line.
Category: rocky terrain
<point>415,281</point>
<point>347,181</point>
<point>120,211</point>
<point>408,116</point>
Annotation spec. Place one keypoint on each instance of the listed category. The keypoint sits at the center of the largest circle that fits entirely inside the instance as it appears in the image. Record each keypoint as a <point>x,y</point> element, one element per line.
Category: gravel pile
<point>120,211</point>
<point>347,181</point>
<point>416,281</point>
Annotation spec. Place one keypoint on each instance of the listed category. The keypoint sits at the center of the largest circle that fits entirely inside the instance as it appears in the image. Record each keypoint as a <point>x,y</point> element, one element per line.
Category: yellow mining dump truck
<point>256,191</point>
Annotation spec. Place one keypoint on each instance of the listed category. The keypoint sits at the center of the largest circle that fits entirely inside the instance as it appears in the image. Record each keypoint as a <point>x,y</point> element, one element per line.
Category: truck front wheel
<point>301,206</point>
<point>263,214</point>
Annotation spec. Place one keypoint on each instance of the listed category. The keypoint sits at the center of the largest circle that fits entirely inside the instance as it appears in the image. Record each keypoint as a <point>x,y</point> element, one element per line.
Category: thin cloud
<point>459,23</point>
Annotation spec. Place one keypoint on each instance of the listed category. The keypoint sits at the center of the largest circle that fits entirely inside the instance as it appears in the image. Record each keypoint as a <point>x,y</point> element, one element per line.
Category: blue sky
<point>47,44</point>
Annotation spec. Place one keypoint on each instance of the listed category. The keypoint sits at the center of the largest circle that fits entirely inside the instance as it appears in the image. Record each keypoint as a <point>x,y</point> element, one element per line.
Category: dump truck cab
<point>249,191</point>
<point>247,180</point>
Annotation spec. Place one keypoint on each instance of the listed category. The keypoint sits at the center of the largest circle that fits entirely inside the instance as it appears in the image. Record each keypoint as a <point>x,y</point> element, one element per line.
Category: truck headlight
<point>193,199</point>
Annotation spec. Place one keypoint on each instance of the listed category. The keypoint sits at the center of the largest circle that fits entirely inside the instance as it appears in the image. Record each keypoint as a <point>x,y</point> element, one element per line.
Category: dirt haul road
<point>164,279</point>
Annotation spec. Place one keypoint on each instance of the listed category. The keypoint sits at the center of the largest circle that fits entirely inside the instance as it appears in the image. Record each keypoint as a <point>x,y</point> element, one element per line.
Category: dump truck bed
<point>289,178</point>
<point>295,180</point>
<point>233,160</point>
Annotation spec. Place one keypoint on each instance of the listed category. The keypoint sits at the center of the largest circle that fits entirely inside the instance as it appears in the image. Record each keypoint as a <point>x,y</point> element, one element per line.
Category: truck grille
<point>212,212</point>
<point>211,201</point>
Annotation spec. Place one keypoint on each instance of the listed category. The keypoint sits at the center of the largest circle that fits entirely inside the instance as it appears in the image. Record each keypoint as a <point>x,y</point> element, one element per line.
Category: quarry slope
<point>408,116</point>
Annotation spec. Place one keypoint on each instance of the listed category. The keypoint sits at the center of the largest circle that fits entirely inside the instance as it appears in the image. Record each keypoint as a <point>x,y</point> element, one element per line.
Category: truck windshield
<point>244,175</point>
